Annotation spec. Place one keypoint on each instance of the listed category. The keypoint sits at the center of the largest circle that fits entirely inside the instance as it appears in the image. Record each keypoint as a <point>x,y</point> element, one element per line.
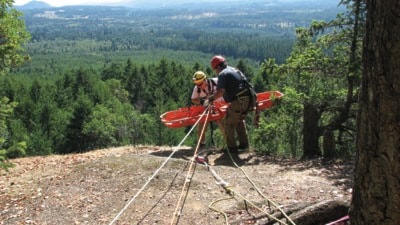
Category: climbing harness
<point>211,85</point>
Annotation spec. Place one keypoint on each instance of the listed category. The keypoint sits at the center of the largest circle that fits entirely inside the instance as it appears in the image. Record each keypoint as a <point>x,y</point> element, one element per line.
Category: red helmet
<point>216,61</point>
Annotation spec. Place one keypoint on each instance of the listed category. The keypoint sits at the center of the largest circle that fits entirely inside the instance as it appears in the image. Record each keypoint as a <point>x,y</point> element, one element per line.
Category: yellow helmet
<point>199,77</point>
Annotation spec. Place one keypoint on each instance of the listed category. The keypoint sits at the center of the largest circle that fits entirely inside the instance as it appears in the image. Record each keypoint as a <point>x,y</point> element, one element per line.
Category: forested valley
<point>98,77</point>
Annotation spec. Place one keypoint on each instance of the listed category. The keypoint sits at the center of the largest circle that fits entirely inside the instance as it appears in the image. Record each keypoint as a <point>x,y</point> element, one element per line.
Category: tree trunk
<point>311,132</point>
<point>329,145</point>
<point>376,194</point>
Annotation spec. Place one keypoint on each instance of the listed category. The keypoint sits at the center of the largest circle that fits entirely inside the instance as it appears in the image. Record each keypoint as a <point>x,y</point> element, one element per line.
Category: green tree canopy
<point>13,35</point>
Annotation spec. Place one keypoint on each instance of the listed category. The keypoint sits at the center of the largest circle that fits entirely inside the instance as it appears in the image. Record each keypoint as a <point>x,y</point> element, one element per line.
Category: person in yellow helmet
<point>204,87</point>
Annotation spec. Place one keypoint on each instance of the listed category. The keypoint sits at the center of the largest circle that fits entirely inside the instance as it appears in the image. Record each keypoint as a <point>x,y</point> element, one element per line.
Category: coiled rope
<point>228,188</point>
<point>261,194</point>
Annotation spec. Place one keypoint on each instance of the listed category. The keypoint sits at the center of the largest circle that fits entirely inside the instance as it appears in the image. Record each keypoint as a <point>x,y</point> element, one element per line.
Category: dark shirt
<point>230,80</point>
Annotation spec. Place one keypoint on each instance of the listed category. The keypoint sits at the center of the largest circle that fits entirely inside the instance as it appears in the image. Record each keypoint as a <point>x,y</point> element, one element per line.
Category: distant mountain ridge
<point>146,4</point>
<point>34,5</point>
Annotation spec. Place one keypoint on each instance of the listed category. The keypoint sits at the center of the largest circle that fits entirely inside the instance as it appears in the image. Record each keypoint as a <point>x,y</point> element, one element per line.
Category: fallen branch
<point>304,213</point>
<point>276,213</point>
<point>321,213</point>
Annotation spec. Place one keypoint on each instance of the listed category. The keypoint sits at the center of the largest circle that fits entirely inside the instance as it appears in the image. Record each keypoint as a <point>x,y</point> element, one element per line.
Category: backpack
<point>252,92</point>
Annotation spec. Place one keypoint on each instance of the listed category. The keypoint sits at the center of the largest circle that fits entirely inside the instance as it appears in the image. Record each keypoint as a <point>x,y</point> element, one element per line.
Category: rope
<point>157,171</point>
<point>260,193</point>
<point>255,206</point>
<point>212,134</point>
<point>228,188</point>
<point>220,211</point>
<point>189,175</point>
<point>187,179</point>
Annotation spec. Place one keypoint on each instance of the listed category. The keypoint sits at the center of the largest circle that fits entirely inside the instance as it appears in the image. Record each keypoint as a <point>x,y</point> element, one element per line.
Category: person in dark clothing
<point>232,86</point>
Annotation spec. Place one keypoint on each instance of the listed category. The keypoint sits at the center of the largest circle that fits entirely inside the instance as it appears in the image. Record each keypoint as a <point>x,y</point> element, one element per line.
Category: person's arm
<point>196,101</point>
<point>195,98</point>
<point>220,92</point>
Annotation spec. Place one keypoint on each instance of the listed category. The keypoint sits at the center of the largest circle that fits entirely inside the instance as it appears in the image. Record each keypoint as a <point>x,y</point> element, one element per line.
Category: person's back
<point>233,86</point>
<point>231,80</point>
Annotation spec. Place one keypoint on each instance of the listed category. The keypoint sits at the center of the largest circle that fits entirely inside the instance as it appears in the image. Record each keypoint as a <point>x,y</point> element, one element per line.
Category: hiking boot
<point>233,150</point>
<point>243,147</point>
<point>202,146</point>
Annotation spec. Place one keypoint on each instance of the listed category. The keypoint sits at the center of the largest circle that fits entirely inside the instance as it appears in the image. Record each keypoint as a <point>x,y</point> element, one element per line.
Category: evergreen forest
<point>90,77</point>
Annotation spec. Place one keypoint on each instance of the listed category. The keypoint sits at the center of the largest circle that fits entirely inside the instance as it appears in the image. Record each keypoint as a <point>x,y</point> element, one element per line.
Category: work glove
<point>206,103</point>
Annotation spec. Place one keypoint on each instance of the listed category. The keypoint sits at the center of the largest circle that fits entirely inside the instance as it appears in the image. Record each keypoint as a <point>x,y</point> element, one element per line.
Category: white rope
<point>230,191</point>
<point>157,171</point>
<point>189,172</point>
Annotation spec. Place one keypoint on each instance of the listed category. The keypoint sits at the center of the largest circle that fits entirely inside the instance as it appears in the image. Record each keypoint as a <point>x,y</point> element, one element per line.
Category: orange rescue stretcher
<point>187,116</point>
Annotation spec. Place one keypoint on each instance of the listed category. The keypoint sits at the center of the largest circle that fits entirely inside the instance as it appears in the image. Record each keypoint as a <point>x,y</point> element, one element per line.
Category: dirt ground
<point>149,185</point>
